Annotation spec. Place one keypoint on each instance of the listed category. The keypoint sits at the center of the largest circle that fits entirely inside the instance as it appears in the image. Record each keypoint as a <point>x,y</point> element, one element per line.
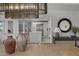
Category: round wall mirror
<point>65,25</point>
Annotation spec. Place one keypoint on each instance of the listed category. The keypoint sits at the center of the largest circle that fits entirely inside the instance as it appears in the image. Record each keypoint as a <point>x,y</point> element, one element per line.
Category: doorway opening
<point>41,26</point>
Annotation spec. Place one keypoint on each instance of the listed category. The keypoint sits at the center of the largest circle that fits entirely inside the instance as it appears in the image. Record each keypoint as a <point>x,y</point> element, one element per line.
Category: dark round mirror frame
<point>65,19</point>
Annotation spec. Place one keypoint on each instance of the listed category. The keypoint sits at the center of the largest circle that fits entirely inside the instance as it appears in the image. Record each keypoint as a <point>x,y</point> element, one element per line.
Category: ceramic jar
<point>22,42</point>
<point>10,45</point>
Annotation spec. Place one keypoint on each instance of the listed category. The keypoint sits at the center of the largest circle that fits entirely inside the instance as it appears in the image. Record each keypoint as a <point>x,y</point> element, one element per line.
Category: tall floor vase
<point>10,45</point>
<point>22,42</point>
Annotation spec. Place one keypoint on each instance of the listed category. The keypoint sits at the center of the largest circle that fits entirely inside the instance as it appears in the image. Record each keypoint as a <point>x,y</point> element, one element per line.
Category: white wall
<point>57,13</point>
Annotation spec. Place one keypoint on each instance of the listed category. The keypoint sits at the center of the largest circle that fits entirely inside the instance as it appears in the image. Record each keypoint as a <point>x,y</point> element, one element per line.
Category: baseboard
<point>65,42</point>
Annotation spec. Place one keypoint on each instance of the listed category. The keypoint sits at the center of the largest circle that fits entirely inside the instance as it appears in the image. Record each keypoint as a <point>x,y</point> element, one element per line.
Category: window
<point>1,26</point>
<point>10,26</point>
<point>24,27</point>
<point>20,27</point>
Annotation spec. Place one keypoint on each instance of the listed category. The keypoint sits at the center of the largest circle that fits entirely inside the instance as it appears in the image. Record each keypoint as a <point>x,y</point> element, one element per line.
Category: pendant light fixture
<point>23,10</point>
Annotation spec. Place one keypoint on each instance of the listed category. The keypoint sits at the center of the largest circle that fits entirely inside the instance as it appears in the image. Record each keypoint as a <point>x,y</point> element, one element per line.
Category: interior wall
<point>57,13</point>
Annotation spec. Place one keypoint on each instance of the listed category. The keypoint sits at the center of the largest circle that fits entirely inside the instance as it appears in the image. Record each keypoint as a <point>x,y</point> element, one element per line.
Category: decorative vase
<point>22,42</point>
<point>10,45</point>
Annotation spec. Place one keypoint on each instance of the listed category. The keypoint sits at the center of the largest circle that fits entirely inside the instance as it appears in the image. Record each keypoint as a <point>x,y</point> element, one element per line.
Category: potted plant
<point>75,30</point>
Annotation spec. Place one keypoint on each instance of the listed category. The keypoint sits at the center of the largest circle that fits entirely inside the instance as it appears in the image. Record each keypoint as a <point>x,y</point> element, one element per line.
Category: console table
<point>66,39</point>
